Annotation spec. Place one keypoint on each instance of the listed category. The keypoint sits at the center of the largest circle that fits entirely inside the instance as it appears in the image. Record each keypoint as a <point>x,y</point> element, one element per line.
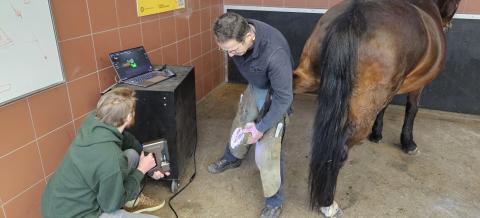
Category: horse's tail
<point>336,65</point>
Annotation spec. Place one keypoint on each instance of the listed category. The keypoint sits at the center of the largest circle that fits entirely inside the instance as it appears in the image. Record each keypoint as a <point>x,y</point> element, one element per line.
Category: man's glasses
<point>232,50</point>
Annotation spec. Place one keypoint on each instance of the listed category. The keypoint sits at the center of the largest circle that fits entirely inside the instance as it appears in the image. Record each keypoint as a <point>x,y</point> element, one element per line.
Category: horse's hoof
<point>409,147</point>
<point>376,138</point>
<point>332,210</point>
<point>413,152</point>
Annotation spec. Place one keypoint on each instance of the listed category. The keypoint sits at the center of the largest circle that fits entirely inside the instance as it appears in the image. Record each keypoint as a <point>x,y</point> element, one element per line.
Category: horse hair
<point>336,67</point>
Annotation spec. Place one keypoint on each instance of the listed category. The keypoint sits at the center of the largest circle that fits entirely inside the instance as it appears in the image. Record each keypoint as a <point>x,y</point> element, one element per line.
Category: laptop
<point>133,67</point>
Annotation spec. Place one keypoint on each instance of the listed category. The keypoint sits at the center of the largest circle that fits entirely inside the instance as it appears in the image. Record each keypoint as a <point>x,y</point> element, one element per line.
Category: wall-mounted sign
<point>148,7</point>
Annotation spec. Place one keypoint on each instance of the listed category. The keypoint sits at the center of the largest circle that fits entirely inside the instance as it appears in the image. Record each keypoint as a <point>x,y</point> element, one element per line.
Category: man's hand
<point>158,175</point>
<point>146,163</point>
<point>252,129</point>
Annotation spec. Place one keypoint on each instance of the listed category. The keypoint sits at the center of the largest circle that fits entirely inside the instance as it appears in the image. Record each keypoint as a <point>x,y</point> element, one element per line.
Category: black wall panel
<point>456,89</point>
<point>296,27</point>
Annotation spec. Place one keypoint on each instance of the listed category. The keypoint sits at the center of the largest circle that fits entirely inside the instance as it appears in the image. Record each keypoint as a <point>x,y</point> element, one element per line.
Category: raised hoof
<point>375,137</point>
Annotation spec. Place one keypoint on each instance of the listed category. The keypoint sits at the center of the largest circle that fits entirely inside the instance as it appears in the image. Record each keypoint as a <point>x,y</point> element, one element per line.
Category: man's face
<point>236,48</point>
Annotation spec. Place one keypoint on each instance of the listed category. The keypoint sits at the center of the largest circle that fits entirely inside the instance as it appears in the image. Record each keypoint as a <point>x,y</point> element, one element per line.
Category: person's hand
<point>158,175</point>
<point>146,163</point>
<point>252,129</point>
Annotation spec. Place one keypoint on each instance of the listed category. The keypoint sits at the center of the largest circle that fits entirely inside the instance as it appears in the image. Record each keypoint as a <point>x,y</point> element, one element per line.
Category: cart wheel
<point>174,186</point>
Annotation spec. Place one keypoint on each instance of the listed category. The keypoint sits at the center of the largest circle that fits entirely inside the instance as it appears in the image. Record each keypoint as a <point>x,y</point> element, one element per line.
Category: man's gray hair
<point>230,26</point>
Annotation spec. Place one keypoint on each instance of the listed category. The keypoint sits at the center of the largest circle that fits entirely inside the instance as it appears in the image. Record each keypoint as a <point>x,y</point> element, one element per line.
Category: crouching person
<point>102,171</point>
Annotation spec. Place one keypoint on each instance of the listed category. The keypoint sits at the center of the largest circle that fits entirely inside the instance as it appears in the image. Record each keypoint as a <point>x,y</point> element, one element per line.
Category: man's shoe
<point>143,204</point>
<point>222,165</point>
<point>271,212</point>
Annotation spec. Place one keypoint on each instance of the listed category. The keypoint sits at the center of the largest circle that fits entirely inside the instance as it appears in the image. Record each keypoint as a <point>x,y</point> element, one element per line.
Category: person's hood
<point>94,131</point>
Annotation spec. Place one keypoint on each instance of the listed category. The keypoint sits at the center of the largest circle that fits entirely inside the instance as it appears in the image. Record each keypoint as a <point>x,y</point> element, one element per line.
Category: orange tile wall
<point>37,130</point>
<point>469,7</point>
<point>466,6</point>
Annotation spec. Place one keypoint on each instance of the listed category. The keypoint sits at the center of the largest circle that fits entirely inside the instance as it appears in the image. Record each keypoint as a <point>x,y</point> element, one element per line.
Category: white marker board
<point>29,55</point>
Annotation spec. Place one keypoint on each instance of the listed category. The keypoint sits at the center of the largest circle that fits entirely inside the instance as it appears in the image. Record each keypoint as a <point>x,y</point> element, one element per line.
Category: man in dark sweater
<point>102,170</point>
<point>262,56</point>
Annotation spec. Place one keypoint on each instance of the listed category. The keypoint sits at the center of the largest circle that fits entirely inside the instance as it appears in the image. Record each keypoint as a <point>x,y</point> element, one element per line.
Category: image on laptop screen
<point>131,62</point>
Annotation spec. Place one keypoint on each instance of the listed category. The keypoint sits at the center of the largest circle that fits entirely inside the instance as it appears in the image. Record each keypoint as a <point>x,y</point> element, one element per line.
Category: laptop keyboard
<point>141,78</point>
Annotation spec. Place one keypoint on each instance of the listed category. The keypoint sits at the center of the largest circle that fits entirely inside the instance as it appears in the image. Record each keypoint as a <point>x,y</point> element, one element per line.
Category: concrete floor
<point>379,180</point>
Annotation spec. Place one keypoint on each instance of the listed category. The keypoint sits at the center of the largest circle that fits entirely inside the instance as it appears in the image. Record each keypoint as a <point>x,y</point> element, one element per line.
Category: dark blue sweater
<point>269,64</point>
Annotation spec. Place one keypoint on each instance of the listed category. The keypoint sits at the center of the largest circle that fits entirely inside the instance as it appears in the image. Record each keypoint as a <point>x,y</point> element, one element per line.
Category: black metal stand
<point>168,110</point>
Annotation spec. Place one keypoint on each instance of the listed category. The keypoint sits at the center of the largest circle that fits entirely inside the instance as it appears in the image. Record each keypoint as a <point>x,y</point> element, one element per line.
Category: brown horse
<point>361,54</point>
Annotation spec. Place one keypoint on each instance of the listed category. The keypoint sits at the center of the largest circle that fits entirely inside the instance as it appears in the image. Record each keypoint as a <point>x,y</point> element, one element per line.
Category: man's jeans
<point>125,214</point>
<point>133,159</point>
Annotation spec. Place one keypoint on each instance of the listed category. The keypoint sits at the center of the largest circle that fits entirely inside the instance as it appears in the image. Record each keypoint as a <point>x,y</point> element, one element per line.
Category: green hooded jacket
<point>94,176</point>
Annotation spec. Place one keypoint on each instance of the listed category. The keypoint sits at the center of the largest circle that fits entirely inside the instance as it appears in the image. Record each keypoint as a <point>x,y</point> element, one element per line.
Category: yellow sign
<point>148,7</point>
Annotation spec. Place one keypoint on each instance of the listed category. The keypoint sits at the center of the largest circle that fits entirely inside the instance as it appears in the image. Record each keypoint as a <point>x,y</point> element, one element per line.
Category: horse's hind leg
<point>408,145</point>
<point>376,134</point>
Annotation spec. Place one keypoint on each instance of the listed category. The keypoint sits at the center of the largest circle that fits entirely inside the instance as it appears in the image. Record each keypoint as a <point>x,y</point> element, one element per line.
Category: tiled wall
<point>37,130</point>
<point>466,6</point>
<point>469,7</point>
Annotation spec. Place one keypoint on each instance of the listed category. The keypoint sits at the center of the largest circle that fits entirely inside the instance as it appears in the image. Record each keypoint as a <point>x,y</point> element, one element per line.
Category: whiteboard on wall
<point>29,56</point>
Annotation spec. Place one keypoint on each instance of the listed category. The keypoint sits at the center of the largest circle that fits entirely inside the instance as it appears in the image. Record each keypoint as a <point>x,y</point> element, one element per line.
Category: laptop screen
<point>131,62</point>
